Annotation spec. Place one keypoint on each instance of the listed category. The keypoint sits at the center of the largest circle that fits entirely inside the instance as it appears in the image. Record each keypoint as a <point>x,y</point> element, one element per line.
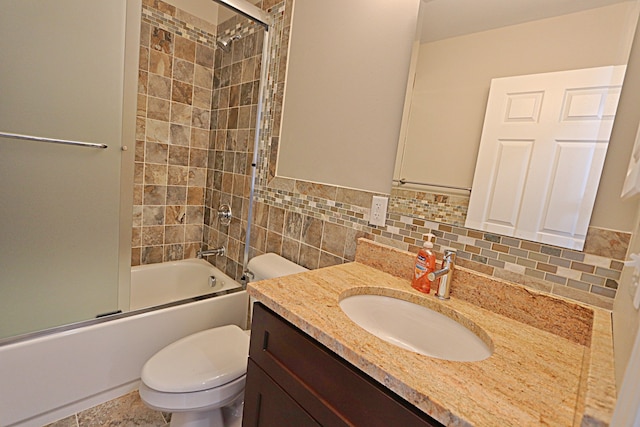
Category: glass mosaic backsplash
<point>445,208</point>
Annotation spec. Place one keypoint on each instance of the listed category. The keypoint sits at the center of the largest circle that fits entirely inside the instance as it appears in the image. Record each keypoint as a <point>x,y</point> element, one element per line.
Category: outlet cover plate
<point>379,211</point>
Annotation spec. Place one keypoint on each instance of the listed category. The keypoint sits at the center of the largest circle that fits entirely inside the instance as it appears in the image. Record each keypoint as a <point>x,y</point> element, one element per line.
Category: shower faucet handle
<point>224,214</point>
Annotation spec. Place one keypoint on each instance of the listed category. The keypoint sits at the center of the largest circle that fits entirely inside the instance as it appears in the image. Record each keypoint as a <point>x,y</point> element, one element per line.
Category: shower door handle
<point>51,140</point>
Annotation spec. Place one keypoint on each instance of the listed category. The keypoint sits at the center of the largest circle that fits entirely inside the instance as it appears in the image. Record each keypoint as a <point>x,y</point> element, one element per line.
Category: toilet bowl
<point>196,376</point>
<point>200,378</point>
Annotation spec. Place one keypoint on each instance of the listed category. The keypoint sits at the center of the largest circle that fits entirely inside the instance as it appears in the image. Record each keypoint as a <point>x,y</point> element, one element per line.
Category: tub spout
<point>221,251</point>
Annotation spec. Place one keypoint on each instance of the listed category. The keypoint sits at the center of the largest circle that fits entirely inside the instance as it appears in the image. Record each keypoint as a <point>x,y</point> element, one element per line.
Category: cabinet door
<point>267,405</point>
<point>541,154</point>
<point>332,391</point>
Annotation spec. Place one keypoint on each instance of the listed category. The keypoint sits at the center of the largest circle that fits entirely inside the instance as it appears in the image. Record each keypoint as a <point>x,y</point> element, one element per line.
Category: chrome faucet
<point>446,274</point>
<point>221,251</point>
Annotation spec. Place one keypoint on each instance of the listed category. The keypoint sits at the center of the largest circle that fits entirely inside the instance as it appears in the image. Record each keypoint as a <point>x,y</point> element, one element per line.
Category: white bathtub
<point>157,284</point>
<point>53,376</point>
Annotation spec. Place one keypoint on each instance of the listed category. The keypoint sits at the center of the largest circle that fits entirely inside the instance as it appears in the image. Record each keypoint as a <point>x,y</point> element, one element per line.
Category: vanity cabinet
<point>292,380</point>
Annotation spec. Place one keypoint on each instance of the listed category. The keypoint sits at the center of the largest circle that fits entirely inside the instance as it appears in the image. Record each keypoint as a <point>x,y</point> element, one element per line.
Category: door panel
<point>512,164</point>
<point>567,116</point>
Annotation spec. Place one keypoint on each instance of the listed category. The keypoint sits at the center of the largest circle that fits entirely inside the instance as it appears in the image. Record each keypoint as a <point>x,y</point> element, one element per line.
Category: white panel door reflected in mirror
<point>542,150</point>
<point>457,57</point>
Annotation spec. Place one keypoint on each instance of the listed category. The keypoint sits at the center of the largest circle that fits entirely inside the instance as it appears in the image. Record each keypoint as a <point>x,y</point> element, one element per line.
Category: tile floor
<point>124,411</point>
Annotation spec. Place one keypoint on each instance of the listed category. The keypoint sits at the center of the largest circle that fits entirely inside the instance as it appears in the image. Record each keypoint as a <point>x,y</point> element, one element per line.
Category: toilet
<point>200,378</point>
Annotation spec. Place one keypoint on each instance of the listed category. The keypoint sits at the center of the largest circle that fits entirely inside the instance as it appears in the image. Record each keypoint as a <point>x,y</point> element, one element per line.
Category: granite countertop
<point>552,362</point>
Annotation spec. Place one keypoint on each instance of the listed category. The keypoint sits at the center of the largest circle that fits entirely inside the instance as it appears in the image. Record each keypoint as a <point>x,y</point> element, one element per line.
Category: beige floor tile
<point>125,411</point>
<point>71,421</point>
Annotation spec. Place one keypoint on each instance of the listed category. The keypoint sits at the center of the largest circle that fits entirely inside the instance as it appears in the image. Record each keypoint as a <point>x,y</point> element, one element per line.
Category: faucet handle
<point>450,254</point>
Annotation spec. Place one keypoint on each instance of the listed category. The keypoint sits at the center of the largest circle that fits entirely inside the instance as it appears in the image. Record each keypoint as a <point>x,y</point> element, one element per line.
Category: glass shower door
<point>61,77</point>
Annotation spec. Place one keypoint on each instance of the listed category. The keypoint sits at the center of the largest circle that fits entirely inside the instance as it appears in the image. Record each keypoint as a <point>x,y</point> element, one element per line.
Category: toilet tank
<point>270,265</point>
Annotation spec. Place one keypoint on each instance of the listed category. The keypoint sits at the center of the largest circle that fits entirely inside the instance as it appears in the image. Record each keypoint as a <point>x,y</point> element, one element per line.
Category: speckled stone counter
<point>552,362</point>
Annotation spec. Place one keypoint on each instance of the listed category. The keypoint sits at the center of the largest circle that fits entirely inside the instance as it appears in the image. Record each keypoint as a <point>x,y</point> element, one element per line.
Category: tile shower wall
<point>317,225</point>
<point>233,118</point>
<point>173,132</point>
<point>197,108</point>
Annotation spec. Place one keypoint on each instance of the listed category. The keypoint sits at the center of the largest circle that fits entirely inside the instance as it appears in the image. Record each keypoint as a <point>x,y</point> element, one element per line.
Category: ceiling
<point>450,18</point>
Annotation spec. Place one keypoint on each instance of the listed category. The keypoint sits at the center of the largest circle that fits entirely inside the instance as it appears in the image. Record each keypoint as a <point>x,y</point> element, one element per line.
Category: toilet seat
<point>199,372</point>
<point>196,401</point>
<point>199,362</point>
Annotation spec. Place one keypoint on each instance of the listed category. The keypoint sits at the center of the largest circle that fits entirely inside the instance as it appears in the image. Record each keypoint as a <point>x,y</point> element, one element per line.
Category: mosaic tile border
<point>274,86</point>
<point>332,211</point>
<point>446,208</point>
<point>175,25</point>
<point>243,28</point>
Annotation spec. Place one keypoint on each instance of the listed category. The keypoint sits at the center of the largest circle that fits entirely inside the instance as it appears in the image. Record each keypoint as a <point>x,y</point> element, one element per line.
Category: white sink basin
<point>414,327</point>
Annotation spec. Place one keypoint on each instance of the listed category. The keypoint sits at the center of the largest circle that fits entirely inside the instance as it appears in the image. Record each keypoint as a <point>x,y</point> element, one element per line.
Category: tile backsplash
<point>316,225</point>
<point>432,206</point>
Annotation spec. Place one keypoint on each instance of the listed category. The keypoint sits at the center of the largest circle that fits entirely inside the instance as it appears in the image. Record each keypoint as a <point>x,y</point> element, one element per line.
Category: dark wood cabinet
<point>292,380</point>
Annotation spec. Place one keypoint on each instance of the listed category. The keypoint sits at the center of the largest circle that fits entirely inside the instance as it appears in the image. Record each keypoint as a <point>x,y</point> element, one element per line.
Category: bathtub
<point>157,284</point>
<point>53,376</point>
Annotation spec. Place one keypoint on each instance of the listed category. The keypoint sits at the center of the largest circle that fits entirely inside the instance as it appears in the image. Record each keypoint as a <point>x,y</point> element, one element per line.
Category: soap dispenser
<point>425,263</point>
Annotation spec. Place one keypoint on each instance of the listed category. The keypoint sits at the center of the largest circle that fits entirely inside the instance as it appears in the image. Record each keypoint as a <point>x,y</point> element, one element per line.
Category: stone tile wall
<point>173,122</point>
<point>233,118</point>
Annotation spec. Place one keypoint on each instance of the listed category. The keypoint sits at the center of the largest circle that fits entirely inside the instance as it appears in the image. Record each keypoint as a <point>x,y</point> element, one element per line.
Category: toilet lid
<point>199,362</point>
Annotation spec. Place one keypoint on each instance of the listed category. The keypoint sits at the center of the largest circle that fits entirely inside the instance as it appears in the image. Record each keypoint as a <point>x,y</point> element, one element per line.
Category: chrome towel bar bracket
<point>403,181</point>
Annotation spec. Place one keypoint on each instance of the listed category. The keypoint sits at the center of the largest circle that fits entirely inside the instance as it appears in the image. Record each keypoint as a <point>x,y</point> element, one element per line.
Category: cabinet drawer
<point>331,390</point>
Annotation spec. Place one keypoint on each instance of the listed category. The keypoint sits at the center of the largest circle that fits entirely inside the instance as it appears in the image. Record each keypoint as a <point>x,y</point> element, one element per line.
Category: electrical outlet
<point>379,211</point>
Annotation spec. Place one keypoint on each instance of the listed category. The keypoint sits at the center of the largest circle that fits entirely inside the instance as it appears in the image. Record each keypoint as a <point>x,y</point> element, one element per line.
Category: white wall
<point>346,80</point>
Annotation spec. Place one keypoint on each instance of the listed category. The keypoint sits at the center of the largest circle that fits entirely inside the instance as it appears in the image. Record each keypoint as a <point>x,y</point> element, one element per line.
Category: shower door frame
<point>248,10</point>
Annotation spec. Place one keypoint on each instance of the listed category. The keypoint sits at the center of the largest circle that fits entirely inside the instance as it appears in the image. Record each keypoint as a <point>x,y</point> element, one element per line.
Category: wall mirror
<point>454,62</point>
<point>334,130</point>
<point>65,246</point>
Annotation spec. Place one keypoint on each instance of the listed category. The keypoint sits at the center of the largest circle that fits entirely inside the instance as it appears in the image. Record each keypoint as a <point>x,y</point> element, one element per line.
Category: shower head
<point>224,43</point>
